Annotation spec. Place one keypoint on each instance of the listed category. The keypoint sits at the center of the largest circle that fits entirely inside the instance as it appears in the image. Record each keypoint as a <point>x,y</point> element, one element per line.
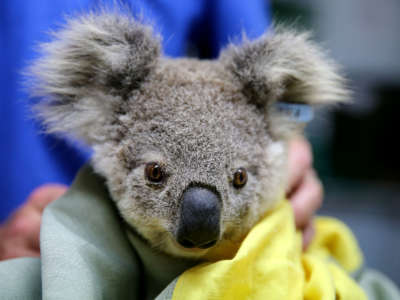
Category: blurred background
<point>356,150</point>
<point>355,146</point>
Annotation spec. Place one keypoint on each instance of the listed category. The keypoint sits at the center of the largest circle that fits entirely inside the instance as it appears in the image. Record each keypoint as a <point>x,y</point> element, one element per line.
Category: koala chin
<point>193,151</point>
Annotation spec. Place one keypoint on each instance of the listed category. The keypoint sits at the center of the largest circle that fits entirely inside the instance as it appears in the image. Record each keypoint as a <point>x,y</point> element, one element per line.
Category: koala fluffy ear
<point>285,66</point>
<point>88,70</point>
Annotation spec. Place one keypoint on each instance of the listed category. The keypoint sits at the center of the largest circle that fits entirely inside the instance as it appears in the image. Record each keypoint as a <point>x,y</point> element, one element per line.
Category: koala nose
<point>200,217</point>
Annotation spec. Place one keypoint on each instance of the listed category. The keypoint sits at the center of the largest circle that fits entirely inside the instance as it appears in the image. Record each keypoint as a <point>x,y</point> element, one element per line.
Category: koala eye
<point>240,178</point>
<point>154,172</point>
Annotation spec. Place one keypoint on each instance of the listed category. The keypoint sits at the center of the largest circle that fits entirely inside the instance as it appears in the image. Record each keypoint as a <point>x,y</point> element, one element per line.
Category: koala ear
<point>285,66</point>
<point>88,70</point>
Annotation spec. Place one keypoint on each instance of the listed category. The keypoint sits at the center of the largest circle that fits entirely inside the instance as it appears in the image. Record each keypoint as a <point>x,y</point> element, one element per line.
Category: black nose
<point>200,217</point>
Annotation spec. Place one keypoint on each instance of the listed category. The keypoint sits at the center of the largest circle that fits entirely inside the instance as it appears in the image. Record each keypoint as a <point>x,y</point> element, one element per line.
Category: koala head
<point>193,151</point>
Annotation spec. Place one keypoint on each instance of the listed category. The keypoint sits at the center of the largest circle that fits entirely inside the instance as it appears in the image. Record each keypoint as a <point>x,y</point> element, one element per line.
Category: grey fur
<point>285,65</point>
<point>92,57</point>
<point>103,81</point>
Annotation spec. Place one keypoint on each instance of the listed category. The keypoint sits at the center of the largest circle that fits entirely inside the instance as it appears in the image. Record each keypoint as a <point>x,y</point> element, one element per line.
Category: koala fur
<point>103,80</point>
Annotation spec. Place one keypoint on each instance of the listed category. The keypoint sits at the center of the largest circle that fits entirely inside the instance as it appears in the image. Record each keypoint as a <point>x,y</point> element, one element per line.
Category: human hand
<point>19,236</point>
<point>305,191</point>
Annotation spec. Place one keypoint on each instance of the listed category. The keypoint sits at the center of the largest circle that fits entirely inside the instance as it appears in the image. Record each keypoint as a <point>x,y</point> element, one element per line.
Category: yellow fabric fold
<point>270,264</point>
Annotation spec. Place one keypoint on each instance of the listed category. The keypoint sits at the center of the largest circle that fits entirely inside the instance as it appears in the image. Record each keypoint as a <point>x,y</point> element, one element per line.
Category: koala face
<point>215,175</point>
<point>193,152</point>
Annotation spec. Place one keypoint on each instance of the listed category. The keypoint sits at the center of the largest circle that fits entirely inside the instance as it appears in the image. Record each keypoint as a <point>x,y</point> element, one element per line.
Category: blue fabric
<point>29,158</point>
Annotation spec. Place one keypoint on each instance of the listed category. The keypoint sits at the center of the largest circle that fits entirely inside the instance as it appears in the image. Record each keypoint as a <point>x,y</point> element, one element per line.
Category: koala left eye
<point>154,172</point>
<point>240,178</point>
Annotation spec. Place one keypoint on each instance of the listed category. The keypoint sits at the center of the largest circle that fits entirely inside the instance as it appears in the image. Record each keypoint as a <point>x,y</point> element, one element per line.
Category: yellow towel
<point>270,264</point>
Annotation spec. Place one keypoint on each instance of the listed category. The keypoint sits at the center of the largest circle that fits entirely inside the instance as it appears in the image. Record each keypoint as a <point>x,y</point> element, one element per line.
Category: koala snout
<point>199,225</point>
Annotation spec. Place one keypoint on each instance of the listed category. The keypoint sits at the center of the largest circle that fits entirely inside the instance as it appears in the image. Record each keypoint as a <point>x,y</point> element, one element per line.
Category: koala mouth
<point>199,225</point>
<point>186,243</point>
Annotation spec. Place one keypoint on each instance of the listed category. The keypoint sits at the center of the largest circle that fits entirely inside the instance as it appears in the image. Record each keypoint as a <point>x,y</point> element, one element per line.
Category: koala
<point>194,152</point>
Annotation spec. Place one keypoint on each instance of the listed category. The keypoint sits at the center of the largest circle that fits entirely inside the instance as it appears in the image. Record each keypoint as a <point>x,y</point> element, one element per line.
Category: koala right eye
<point>240,178</point>
<point>154,172</point>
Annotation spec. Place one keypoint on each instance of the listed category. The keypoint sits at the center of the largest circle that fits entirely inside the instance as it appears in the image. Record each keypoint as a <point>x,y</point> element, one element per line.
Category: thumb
<point>45,194</point>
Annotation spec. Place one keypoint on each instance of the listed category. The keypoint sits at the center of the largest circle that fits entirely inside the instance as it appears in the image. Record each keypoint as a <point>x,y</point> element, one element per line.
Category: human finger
<point>307,199</point>
<point>308,234</point>
<point>45,194</point>
<point>299,162</point>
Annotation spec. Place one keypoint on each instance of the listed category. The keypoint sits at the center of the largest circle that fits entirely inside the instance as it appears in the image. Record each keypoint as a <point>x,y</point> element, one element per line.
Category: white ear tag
<point>301,113</point>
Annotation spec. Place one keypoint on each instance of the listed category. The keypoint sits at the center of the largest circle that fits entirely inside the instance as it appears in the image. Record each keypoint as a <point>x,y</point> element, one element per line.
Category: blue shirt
<point>28,158</point>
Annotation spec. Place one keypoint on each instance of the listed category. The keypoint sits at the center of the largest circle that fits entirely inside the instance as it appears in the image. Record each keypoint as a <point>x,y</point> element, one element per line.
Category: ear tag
<point>301,113</point>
